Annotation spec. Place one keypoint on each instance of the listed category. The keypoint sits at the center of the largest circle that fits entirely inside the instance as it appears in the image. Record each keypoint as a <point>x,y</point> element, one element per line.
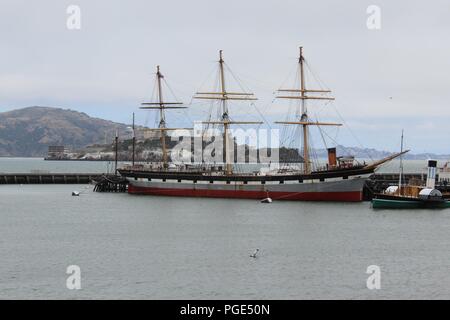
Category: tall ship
<point>340,179</point>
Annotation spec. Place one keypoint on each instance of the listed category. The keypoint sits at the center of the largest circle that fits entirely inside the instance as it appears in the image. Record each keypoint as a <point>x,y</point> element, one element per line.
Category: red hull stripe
<point>305,196</point>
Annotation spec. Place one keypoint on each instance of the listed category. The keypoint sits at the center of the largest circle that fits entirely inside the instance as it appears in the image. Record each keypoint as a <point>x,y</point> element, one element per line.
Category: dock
<point>103,182</point>
<point>48,178</point>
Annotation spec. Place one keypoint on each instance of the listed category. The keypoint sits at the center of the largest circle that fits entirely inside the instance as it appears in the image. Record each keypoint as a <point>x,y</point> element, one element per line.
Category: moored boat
<point>411,196</point>
<point>408,204</point>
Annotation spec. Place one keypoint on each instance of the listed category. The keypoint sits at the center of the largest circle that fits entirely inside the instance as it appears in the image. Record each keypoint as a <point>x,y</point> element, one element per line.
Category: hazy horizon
<point>384,80</point>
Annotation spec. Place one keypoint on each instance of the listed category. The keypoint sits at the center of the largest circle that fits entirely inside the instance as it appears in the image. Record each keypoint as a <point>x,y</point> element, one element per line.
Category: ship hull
<point>408,204</point>
<point>348,190</point>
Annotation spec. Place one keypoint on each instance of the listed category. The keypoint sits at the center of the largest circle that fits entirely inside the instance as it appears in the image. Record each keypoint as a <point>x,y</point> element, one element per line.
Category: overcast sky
<point>383,80</point>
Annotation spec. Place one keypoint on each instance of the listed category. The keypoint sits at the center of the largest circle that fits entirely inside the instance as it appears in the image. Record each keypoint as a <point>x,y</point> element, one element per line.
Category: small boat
<point>413,197</point>
<point>428,199</point>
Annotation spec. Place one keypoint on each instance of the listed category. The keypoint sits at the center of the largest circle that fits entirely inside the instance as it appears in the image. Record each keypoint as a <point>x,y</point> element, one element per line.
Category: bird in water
<point>253,255</point>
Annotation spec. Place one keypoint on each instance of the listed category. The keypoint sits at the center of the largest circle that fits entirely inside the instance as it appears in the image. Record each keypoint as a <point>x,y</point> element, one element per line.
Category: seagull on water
<point>254,254</point>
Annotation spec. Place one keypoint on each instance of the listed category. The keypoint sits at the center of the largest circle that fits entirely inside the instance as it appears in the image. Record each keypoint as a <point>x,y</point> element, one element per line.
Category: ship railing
<point>177,168</point>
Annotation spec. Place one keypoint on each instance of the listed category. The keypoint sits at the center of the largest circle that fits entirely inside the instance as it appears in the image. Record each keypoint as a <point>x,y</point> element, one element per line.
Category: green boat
<point>412,196</point>
<point>409,204</point>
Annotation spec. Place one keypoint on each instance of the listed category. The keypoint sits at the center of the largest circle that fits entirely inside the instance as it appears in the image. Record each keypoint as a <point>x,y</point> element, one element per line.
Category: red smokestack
<point>332,158</point>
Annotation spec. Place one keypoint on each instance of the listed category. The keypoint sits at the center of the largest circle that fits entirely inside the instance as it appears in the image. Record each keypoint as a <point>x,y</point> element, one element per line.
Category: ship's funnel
<point>332,158</point>
<point>431,175</point>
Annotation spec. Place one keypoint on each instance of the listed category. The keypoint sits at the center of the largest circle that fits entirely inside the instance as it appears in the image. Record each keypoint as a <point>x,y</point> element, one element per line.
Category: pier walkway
<point>48,178</point>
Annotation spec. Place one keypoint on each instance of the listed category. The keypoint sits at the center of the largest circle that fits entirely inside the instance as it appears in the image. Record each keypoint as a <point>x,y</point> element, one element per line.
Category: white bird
<point>254,254</point>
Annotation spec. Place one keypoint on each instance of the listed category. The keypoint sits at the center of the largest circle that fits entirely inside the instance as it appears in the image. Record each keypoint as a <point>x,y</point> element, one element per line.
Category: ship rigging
<point>341,181</point>
<point>224,96</point>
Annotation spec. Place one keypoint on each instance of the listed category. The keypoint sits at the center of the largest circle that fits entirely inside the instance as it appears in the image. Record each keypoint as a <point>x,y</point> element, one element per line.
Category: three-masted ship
<point>341,179</point>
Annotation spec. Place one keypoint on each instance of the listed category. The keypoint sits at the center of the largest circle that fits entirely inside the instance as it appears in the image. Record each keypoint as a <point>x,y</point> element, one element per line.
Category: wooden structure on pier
<point>111,183</point>
<point>48,178</point>
<point>103,182</point>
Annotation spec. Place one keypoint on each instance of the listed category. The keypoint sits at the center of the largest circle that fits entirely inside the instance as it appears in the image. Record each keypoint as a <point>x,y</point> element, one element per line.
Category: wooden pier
<point>48,178</point>
<point>103,182</point>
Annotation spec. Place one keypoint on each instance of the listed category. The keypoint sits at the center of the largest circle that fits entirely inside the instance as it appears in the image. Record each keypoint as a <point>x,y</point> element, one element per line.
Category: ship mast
<point>304,120</point>
<point>400,176</point>
<point>162,106</point>
<point>225,117</point>
<point>224,96</point>
<point>304,114</point>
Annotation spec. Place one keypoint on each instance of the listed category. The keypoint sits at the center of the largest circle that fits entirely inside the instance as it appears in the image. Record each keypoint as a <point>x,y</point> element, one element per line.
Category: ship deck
<point>222,176</point>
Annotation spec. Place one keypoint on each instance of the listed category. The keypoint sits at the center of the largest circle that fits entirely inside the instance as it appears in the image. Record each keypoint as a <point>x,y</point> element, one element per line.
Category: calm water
<point>184,248</point>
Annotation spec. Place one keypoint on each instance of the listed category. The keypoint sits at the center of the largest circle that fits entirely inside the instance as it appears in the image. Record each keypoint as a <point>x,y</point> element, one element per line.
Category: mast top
<point>301,93</point>
<point>223,94</point>
<point>158,72</point>
<point>160,104</point>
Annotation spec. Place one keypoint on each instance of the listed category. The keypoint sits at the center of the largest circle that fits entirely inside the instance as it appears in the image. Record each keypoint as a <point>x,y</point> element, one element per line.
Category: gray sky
<point>106,69</point>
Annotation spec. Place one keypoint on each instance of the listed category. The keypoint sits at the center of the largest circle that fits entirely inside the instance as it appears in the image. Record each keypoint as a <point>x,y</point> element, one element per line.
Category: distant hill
<point>29,131</point>
<point>366,153</point>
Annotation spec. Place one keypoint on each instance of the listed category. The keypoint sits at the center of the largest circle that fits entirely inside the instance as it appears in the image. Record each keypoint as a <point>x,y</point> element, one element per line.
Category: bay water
<point>149,247</point>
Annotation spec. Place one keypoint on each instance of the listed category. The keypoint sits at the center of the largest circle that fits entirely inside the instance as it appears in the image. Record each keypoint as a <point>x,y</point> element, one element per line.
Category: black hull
<point>208,176</point>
